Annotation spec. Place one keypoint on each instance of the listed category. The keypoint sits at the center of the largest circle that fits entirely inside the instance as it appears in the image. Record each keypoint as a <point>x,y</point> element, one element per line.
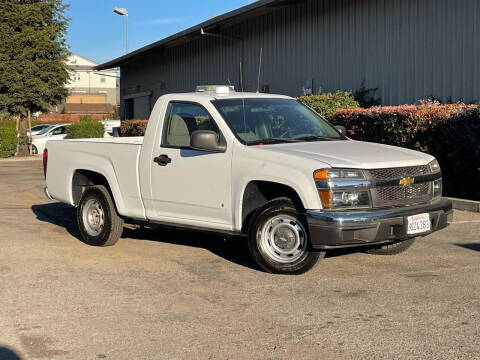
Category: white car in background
<point>53,132</point>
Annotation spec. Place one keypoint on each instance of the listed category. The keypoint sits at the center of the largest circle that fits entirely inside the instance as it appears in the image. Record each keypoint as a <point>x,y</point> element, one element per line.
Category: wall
<point>77,98</point>
<point>409,49</point>
<point>85,80</point>
<point>57,118</point>
<point>111,94</point>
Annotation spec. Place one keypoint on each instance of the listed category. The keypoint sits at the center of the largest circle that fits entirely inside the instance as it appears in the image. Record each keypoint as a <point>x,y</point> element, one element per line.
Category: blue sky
<point>99,34</point>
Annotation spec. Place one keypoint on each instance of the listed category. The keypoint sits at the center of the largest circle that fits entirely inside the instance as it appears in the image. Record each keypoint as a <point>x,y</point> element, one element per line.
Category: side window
<point>182,120</point>
<point>59,131</point>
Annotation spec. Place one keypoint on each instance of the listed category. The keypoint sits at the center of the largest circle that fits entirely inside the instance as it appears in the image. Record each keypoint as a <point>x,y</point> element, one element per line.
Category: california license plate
<point>417,224</point>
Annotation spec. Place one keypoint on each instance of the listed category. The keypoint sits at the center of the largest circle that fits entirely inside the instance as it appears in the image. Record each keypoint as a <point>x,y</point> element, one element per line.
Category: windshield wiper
<point>271,141</point>
<point>313,138</point>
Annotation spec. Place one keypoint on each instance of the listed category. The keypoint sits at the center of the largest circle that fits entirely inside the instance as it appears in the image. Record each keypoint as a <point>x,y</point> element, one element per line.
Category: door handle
<point>162,160</point>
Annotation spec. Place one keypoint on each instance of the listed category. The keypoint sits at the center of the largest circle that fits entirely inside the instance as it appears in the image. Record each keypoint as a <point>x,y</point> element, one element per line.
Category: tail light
<point>45,161</point>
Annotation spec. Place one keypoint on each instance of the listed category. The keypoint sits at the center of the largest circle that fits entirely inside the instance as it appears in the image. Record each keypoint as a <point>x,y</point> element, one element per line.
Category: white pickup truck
<point>258,165</point>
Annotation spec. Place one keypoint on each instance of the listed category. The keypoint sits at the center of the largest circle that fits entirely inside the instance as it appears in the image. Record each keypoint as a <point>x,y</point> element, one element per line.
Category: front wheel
<point>392,249</point>
<point>278,239</point>
<point>97,217</point>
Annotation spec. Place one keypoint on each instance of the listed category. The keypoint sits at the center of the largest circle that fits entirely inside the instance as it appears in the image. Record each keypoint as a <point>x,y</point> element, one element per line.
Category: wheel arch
<point>83,178</point>
<point>258,192</point>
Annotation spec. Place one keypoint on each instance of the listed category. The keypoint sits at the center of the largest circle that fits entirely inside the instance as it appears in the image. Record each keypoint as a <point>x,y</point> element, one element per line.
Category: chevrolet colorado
<point>258,165</point>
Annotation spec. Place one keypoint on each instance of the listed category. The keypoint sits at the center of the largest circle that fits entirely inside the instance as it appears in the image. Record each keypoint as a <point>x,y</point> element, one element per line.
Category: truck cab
<point>260,166</point>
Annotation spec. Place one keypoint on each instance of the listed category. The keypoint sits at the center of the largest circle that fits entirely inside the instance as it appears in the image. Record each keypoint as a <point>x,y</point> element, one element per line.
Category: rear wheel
<point>278,239</point>
<point>97,217</point>
<point>392,249</point>
<point>34,150</point>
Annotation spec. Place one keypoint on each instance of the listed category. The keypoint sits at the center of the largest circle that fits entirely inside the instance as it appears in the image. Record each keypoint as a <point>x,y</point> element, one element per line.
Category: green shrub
<point>8,139</point>
<point>327,103</point>
<point>449,132</point>
<point>133,127</point>
<point>85,128</point>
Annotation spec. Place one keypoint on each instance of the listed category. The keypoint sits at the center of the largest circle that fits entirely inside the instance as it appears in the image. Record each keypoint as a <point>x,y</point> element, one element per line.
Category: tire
<point>34,150</point>
<point>97,218</point>
<point>274,253</point>
<point>392,249</point>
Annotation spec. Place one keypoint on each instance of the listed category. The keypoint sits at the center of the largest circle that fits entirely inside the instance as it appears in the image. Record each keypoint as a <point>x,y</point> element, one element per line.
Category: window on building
<point>102,79</point>
<point>76,76</point>
<point>182,120</point>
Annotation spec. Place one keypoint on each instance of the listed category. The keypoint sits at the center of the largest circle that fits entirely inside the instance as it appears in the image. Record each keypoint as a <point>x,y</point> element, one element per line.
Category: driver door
<point>189,186</point>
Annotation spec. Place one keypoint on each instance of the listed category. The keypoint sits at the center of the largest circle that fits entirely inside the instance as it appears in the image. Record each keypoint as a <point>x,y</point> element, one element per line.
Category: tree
<point>33,54</point>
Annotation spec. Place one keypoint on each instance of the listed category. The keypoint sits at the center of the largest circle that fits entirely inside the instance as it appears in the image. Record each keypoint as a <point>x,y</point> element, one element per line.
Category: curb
<point>466,205</point>
<point>27,158</point>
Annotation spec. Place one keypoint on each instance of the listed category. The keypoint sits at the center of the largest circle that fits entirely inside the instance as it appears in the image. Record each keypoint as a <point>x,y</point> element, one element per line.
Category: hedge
<point>85,128</point>
<point>133,127</point>
<point>8,140</point>
<point>327,103</point>
<point>449,132</point>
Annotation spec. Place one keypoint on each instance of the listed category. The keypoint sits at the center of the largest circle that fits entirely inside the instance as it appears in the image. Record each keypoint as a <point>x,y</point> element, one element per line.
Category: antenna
<point>259,69</point>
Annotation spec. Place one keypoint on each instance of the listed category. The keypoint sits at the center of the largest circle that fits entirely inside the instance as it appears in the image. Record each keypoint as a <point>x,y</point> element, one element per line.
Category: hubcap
<point>283,239</point>
<point>93,217</point>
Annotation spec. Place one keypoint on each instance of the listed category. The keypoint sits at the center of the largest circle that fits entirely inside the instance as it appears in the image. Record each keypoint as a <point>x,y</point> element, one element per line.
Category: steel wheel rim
<point>283,239</point>
<point>93,217</point>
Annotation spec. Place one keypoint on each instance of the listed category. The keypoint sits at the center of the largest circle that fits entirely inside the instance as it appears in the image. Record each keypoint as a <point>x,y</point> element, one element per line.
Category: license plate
<point>417,224</point>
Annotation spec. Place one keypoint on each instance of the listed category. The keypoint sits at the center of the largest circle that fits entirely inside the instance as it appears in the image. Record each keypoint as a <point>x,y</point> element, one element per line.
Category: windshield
<point>269,120</point>
<point>39,127</point>
<point>45,130</point>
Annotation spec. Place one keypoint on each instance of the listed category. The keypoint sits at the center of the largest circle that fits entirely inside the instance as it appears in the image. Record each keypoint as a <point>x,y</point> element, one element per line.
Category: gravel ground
<point>169,294</point>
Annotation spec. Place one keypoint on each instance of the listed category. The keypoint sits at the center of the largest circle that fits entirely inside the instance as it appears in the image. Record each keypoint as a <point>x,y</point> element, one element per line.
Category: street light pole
<point>123,12</point>
<point>126,34</point>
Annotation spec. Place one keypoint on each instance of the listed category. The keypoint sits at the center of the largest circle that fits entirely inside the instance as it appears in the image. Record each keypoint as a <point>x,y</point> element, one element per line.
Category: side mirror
<point>207,140</point>
<point>341,129</point>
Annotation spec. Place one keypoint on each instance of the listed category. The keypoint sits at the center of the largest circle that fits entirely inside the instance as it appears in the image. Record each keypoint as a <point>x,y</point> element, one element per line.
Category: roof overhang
<point>257,8</point>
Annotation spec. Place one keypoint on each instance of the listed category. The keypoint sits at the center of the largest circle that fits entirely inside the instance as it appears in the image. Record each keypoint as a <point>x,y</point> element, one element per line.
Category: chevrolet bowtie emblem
<point>406,181</point>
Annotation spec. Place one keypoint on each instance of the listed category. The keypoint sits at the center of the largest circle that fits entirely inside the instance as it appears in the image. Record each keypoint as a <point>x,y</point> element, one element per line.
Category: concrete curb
<point>27,158</point>
<point>466,205</point>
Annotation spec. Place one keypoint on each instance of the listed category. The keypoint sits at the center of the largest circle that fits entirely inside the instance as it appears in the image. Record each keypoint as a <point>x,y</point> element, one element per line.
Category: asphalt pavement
<point>169,294</point>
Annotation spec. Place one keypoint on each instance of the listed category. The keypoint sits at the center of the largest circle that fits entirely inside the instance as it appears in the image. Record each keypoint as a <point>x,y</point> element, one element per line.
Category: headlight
<point>437,188</point>
<point>434,166</point>
<point>343,188</point>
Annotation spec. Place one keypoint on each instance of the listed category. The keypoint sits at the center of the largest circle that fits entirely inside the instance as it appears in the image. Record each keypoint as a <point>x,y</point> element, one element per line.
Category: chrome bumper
<point>349,229</point>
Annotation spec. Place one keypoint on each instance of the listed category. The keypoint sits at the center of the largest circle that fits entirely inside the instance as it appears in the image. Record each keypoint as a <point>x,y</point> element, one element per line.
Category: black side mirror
<point>207,140</point>
<point>341,129</point>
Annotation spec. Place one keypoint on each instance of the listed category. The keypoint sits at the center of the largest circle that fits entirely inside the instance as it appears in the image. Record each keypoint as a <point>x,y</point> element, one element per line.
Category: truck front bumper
<point>332,230</point>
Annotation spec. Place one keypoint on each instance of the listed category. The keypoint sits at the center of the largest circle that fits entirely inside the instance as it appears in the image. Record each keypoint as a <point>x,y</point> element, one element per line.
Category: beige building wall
<point>84,80</point>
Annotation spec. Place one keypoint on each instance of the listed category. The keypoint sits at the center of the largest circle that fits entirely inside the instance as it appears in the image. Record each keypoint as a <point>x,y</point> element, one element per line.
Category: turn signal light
<point>321,174</point>
<point>327,198</point>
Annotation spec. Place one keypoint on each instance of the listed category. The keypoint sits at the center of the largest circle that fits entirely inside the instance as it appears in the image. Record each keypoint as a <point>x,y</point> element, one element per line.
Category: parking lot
<point>168,294</point>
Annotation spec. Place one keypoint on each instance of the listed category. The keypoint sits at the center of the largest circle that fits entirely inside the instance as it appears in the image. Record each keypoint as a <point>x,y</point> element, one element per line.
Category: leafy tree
<point>33,53</point>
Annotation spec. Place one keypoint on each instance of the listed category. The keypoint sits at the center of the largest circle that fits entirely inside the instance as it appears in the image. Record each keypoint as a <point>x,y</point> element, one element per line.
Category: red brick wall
<point>67,117</point>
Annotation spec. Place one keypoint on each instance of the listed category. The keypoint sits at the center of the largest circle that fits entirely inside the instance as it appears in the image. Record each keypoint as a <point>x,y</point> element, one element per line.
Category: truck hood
<point>352,154</point>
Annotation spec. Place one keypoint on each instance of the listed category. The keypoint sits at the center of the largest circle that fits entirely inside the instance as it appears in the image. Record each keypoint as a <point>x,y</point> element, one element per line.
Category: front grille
<point>400,172</point>
<point>400,195</point>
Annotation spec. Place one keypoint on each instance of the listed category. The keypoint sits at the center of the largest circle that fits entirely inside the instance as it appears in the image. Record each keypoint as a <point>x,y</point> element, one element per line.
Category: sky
<point>98,34</point>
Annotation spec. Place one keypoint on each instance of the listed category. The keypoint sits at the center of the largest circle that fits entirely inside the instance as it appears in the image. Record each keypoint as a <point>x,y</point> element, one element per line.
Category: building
<point>408,49</point>
<point>89,86</point>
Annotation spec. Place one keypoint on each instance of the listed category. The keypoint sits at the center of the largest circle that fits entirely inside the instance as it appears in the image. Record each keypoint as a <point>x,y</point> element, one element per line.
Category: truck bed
<point>116,158</point>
